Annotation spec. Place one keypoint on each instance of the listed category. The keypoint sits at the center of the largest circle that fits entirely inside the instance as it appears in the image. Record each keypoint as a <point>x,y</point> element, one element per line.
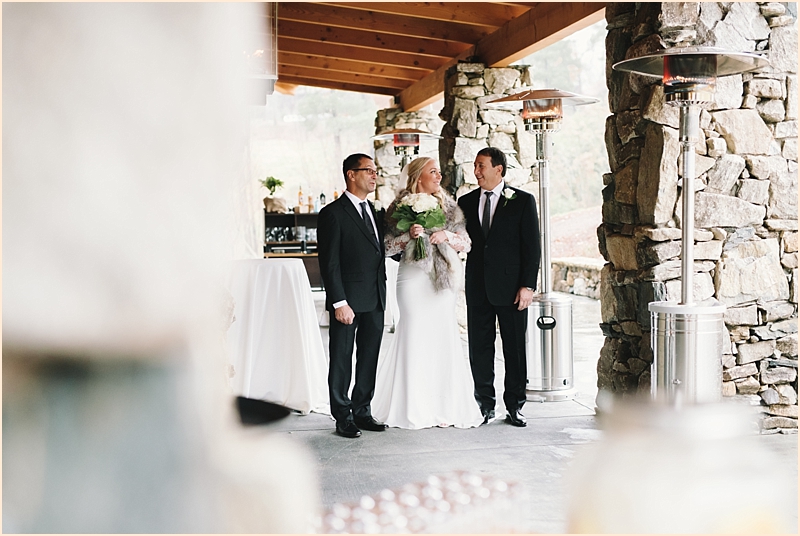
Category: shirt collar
<point>354,198</point>
<point>497,190</point>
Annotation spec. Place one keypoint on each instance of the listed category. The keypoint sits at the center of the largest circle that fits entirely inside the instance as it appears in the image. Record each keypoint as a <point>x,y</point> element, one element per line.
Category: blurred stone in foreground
<point>664,470</point>
<point>124,136</point>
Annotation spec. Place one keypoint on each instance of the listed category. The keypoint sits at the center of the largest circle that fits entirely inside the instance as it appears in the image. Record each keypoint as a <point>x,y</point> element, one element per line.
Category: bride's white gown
<point>425,379</point>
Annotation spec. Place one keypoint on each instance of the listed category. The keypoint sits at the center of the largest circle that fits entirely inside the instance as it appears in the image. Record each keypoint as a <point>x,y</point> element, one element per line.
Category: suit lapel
<point>471,212</point>
<point>351,210</point>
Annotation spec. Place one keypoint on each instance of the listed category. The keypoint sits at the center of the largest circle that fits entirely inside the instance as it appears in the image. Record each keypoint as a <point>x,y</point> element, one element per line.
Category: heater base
<point>551,396</point>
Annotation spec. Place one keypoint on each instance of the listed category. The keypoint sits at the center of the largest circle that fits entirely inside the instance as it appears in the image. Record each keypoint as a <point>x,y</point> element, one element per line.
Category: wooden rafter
<point>335,50</point>
<point>349,66</point>
<point>342,86</point>
<point>534,30</point>
<point>479,13</point>
<point>369,39</point>
<point>405,48</point>
<point>312,73</point>
<point>360,19</point>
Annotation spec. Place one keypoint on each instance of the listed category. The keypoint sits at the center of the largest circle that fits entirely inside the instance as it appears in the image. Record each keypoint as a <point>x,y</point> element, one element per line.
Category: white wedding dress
<point>425,379</point>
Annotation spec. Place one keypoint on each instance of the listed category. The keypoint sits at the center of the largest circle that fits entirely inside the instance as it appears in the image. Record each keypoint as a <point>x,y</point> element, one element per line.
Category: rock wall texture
<point>470,125</point>
<point>746,198</point>
<point>577,275</point>
<point>387,162</point>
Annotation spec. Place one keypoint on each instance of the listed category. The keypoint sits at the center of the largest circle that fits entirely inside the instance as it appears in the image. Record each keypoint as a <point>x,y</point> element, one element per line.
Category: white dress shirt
<point>357,203</point>
<point>496,193</point>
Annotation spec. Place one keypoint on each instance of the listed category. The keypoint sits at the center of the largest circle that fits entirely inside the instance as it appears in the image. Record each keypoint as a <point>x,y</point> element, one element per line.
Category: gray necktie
<point>368,222</point>
<point>487,214</point>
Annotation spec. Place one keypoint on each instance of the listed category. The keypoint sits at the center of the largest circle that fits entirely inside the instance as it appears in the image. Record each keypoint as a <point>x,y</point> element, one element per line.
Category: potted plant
<point>273,203</point>
<point>271,184</point>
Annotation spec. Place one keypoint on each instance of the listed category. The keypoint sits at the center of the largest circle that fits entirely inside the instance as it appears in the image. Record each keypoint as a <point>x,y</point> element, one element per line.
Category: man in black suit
<point>500,279</point>
<point>351,259</point>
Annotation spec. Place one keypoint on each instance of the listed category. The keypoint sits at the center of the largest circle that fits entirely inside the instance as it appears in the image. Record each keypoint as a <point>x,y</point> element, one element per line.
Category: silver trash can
<point>549,348</point>
<point>687,352</point>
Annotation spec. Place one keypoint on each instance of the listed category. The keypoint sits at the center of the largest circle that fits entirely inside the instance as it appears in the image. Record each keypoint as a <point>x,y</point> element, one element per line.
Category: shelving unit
<point>291,247</point>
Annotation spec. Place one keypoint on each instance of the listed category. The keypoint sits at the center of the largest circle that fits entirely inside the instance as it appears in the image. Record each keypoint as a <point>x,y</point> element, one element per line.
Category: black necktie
<point>487,214</point>
<point>368,222</point>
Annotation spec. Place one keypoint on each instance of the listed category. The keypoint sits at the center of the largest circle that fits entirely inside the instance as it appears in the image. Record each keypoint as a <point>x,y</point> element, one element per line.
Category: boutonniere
<point>508,194</point>
<point>378,205</point>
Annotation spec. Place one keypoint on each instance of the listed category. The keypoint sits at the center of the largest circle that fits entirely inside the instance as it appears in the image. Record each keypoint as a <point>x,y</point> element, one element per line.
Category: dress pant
<point>365,332</point>
<point>482,334</point>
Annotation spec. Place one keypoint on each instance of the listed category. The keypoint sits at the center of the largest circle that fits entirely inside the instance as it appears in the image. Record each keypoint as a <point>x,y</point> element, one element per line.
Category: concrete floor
<point>537,456</point>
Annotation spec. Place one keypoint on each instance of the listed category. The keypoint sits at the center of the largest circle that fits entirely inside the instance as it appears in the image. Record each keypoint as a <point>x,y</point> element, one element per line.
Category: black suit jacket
<point>352,265</point>
<point>509,257</point>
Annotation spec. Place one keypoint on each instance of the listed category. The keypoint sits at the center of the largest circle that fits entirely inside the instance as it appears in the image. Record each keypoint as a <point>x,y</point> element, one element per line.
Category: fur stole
<point>442,263</point>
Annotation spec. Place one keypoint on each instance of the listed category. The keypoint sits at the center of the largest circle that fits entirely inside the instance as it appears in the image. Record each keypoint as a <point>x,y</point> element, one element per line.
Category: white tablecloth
<point>274,344</point>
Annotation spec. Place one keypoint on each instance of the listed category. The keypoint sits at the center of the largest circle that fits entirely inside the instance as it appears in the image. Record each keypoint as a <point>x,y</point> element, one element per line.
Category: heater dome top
<point>390,134</point>
<point>528,94</point>
<point>727,62</point>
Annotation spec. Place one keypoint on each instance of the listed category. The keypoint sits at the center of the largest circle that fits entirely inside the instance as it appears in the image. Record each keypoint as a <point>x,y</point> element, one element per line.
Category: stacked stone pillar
<point>746,199</point>
<point>387,162</point>
<point>470,125</point>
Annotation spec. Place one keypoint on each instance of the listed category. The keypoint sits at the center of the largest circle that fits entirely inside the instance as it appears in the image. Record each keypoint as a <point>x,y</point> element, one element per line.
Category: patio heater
<point>687,337</point>
<point>406,142</point>
<point>549,333</point>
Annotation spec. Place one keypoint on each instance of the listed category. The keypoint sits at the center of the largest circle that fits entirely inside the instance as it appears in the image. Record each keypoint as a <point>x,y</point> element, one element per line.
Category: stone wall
<point>386,161</point>
<point>577,275</point>
<point>470,125</point>
<point>746,200</point>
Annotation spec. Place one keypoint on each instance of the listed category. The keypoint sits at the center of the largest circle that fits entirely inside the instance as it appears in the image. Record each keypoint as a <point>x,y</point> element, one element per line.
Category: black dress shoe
<point>347,429</point>
<point>488,415</point>
<point>516,418</point>
<point>369,423</point>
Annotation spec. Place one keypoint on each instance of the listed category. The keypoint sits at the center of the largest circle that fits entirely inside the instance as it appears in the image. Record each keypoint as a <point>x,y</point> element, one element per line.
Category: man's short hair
<point>498,157</point>
<point>353,162</point>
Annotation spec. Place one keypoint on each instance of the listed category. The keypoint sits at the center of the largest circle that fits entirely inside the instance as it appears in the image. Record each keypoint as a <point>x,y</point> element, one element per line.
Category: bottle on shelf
<point>322,199</point>
<point>335,195</point>
<point>300,199</point>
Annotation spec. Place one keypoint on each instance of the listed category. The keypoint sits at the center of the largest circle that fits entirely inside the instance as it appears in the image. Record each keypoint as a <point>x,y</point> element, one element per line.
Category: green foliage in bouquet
<point>431,218</point>
<point>406,217</point>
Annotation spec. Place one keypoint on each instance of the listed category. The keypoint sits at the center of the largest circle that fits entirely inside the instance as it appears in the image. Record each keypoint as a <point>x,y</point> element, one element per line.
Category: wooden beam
<point>349,66</point>
<point>337,85</point>
<point>338,76</point>
<point>361,19</point>
<point>479,13</point>
<point>382,57</point>
<point>535,29</point>
<point>368,39</point>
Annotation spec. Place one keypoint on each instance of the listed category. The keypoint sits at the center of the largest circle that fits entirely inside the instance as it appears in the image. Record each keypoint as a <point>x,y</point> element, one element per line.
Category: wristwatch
<point>529,288</point>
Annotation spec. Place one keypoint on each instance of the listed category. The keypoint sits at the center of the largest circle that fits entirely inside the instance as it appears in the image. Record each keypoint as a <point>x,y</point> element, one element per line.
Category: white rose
<point>421,202</point>
<point>378,205</point>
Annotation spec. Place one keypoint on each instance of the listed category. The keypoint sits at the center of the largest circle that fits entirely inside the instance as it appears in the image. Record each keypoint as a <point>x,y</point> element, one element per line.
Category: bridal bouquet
<point>422,209</point>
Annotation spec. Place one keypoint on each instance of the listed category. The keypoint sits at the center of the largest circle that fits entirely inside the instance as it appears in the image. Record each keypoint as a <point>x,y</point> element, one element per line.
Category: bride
<point>425,378</point>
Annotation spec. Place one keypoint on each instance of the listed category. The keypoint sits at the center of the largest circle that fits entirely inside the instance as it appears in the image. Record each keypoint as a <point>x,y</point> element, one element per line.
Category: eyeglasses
<point>368,170</point>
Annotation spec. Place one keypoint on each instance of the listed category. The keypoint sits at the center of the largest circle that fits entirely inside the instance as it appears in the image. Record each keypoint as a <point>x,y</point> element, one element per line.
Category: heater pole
<point>689,126</point>
<point>543,157</point>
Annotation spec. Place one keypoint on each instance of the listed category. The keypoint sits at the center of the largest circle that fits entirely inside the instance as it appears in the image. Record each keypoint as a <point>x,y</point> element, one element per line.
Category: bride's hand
<point>416,230</point>
<point>439,237</point>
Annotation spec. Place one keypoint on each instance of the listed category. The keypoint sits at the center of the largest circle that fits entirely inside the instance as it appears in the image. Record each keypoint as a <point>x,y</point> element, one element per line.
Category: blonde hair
<point>414,170</point>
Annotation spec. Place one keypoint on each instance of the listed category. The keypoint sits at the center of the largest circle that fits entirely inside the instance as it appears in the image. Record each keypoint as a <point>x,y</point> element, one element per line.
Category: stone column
<point>470,125</point>
<point>387,162</point>
<point>746,200</point>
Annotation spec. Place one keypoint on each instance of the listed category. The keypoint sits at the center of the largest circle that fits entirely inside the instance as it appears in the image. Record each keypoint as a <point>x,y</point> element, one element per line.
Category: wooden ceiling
<point>403,49</point>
